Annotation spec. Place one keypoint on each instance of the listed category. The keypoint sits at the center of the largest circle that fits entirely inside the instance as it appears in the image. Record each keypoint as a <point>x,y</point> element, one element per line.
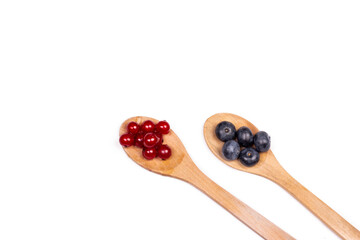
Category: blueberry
<point>231,150</point>
<point>245,137</point>
<point>262,141</point>
<point>249,157</point>
<point>225,131</point>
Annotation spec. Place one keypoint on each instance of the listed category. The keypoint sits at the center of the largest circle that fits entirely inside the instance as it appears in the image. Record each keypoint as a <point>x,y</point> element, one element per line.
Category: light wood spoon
<point>180,166</point>
<point>270,168</point>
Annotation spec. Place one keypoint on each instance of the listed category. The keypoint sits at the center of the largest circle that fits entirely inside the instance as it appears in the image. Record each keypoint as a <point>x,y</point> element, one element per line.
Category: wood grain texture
<point>270,168</point>
<point>180,166</point>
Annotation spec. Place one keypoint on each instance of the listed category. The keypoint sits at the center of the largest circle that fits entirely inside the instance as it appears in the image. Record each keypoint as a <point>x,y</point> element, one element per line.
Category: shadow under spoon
<point>270,168</point>
<point>180,166</point>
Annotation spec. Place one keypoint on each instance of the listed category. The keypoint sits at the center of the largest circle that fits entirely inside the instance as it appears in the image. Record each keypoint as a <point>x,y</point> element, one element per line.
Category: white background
<point>72,71</point>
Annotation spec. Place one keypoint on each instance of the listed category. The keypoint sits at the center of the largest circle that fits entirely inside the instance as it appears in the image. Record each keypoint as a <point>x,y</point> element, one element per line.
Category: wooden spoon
<point>270,168</point>
<point>180,166</point>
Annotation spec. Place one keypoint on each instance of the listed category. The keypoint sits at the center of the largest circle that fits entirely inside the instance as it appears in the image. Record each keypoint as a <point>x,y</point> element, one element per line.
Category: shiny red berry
<point>149,153</point>
<point>133,128</point>
<point>148,126</point>
<point>127,140</point>
<point>150,140</point>
<point>164,152</point>
<point>139,140</point>
<point>163,127</point>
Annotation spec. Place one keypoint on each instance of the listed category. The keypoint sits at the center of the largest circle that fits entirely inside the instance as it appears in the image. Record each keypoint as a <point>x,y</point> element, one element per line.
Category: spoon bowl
<point>271,169</point>
<point>180,166</point>
<point>158,166</point>
<point>215,145</point>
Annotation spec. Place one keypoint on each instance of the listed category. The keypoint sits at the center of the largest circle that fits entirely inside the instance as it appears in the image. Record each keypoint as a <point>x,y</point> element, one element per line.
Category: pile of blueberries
<point>247,146</point>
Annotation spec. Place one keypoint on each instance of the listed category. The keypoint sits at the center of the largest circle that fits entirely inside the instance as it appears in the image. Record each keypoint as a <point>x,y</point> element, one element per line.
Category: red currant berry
<point>150,140</point>
<point>126,140</point>
<point>149,153</point>
<point>139,140</point>
<point>148,126</point>
<point>163,127</point>
<point>164,152</point>
<point>133,127</point>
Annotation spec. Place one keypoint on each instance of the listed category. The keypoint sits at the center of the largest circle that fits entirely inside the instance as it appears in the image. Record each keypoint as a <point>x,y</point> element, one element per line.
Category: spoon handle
<point>327,215</point>
<point>240,210</point>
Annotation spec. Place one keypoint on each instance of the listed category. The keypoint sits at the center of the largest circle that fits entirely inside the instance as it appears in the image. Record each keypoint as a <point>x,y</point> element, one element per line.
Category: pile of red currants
<point>149,137</point>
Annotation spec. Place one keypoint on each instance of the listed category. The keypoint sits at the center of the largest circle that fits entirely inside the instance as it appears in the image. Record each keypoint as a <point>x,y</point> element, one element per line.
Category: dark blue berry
<point>262,141</point>
<point>245,137</point>
<point>231,150</point>
<point>249,157</point>
<point>225,131</point>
